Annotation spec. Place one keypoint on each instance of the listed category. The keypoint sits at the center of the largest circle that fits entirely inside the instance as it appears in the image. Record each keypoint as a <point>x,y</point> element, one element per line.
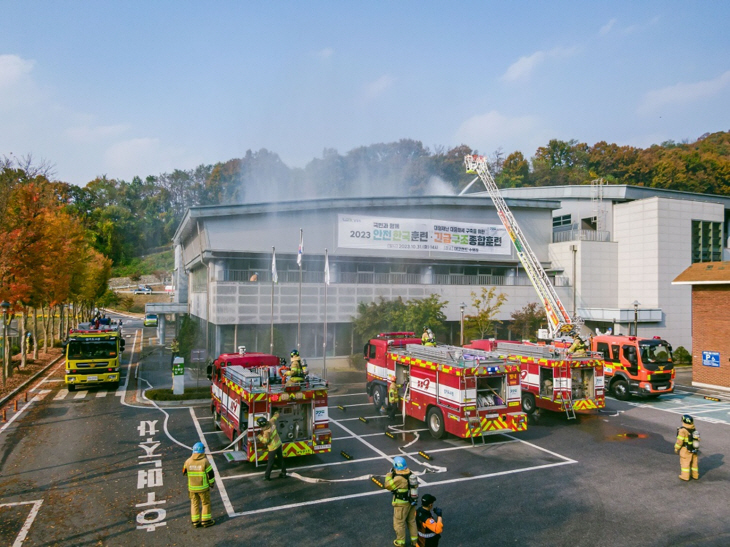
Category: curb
<point>186,402</point>
<point>30,380</point>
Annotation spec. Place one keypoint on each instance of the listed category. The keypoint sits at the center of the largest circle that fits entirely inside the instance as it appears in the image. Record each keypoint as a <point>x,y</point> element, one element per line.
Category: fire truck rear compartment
<point>491,392</point>
<point>583,383</point>
<point>294,422</point>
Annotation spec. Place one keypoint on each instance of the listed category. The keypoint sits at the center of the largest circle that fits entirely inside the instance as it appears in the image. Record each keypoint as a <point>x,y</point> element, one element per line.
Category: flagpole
<point>273,280</point>
<point>324,341</point>
<point>299,317</point>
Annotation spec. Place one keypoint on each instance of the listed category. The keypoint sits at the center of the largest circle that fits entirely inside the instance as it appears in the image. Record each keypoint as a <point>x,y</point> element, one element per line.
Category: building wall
<point>654,247</point>
<point>711,332</point>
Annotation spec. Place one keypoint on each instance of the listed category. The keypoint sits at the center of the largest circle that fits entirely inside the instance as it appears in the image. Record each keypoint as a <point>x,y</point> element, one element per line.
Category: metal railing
<point>581,235</point>
<point>372,278</point>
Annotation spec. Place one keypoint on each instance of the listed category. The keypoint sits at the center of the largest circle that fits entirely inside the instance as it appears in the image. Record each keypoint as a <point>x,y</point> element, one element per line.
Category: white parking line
<point>28,521</point>
<point>101,393</point>
<point>366,417</point>
<point>61,394</point>
<point>80,394</point>
<point>348,406</point>
<point>347,395</point>
<point>379,434</point>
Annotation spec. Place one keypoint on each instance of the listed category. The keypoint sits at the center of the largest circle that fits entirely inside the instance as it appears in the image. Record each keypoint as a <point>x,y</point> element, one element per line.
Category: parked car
<point>150,320</point>
<point>143,289</point>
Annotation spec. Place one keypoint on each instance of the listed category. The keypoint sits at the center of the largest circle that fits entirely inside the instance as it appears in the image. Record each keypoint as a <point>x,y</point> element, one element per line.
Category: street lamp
<point>636,317</point>
<point>462,306</point>
<point>6,307</point>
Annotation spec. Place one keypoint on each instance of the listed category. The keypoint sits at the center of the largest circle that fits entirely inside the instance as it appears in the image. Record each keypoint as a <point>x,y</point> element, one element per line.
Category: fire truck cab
<point>468,393</point>
<point>554,380</point>
<point>636,366</point>
<point>242,393</point>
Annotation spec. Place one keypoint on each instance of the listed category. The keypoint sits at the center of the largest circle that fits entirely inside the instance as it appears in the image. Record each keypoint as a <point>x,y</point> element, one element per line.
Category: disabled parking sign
<point>711,358</point>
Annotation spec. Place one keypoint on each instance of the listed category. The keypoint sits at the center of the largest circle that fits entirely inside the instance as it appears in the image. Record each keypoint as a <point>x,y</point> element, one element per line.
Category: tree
<point>527,320</point>
<point>515,171</point>
<point>483,322</point>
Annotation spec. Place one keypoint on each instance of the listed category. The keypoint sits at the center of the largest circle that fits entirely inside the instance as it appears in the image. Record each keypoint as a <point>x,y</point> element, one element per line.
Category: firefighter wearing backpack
<point>688,446</point>
<point>200,480</point>
<point>404,486</point>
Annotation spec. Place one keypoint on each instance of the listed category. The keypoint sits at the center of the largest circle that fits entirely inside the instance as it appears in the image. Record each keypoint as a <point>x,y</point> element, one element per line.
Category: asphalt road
<point>88,470</point>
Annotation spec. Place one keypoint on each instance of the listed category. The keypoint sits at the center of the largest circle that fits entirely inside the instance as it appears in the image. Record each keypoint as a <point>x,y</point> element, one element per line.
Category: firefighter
<point>270,438</point>
<point>200,481</point>
<point>296,370</point>
<point>393,397</point>
<point>403,485</point>
<point>578,348</point>
<point>175,349</point>
<point>254,277</point>
<point>429,521</point>
<point>687,446</point>
<point>430,342</point>
<point>427,335</point>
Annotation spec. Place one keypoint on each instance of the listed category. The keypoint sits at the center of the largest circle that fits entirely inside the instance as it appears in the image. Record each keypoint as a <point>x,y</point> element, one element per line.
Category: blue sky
<point>139,88</point>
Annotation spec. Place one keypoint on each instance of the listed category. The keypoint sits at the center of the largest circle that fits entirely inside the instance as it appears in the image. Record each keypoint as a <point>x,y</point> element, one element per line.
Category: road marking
<point>373,458</point>
<point>366,417</point>
<point>363,441</point>
<point>348,406</point>
<point>28,521</point>
<point>212,432</point>
<point>221,489</point>
<point>379,434</point>
<point>101,393</point>
<point>80,394</point>
<point>61,394</point>
<point>347,395</point>
<point>35,399</point>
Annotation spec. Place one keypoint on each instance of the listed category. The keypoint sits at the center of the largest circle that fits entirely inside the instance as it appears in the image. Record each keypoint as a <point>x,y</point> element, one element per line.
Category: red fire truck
<point>241,393</point>
<point>636,366</point>
<point>466,393</point>
<point>551,379</point>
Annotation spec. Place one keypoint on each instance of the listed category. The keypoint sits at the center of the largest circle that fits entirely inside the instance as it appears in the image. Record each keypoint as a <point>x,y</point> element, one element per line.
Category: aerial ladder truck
<point>555,380</point>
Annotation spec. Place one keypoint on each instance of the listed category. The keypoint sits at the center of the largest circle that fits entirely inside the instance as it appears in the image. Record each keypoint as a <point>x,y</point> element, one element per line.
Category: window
<point>706,241</point>
<point>562,220</point>
<point>602,347</point>
<point>616,357</point>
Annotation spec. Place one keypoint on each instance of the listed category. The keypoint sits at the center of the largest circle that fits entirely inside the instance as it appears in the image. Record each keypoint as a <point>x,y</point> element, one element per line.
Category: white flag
<point>301,247</point>
<point>326,268</point>
<point>274,275</point>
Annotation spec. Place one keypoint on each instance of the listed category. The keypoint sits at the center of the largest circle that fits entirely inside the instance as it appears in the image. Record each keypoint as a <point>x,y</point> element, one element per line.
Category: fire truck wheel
<point>620,390</point>
<point>435,422</point>
<point>378,397</point>
<point>528,403</point>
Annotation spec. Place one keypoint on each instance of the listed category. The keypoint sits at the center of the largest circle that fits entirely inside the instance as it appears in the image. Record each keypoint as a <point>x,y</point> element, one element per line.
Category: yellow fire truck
<point>93,357</point>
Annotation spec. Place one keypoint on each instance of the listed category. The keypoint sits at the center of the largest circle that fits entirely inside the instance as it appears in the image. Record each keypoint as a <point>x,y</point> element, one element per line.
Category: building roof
<point>187,223</point>
<point>705,273</point>
<point>611,192</point>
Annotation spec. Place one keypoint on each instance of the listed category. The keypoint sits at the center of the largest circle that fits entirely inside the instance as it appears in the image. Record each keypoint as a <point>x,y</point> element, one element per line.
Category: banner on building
<point>412,234</point>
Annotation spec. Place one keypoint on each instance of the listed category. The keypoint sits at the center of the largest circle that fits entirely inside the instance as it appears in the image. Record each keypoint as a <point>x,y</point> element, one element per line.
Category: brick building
<point>710,283</point>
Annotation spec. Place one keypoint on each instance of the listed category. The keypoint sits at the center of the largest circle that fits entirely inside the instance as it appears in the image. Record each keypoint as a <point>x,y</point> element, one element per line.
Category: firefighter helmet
<point>399,463</point>
<point>687,419</point>
<point>261,421</point>
<point>294,353</point>
<point>198,448</point>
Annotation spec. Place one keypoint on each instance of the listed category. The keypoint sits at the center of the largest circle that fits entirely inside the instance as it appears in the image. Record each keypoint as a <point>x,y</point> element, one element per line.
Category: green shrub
<point>357,361</point>
<point>682,356</point>
<point>167,395</point>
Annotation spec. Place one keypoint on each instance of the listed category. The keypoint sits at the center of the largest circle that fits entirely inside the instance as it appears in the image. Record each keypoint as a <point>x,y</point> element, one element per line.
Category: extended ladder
<point>558,319</point>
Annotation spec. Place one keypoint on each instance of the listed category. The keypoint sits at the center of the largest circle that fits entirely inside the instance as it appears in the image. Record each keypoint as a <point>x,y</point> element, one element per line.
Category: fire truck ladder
<point>558,319</point>
<point>567,401</point>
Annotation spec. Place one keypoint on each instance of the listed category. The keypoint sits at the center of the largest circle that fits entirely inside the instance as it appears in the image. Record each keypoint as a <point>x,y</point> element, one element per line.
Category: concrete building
<point>622,246</point>
<point>378,248</point>
<point>612,252</point>
<point>710,282</point>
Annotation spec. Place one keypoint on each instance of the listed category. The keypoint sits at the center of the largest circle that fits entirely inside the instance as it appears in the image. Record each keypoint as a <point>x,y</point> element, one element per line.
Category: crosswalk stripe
<point>80,394</point>
<point>101,393</point>
<point>61,395</point>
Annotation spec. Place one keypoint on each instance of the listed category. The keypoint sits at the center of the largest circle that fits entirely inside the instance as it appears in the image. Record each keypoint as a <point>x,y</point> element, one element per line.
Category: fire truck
<point>468,393</point>
<point>242,393</point>
<point>93,357</point>
<point>636,366</point>
<point>552,379</point>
